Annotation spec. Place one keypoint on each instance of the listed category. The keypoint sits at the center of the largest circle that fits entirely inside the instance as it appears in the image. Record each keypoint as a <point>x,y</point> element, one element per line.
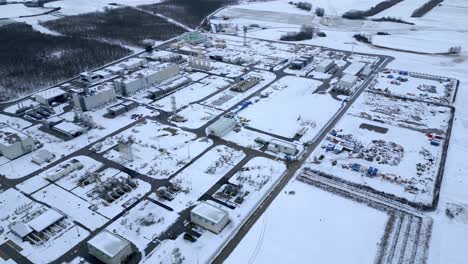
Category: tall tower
<point>174,106</point>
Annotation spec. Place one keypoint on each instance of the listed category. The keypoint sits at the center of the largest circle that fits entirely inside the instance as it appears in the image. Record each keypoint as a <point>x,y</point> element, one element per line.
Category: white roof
<point>51,93</point>
<point>325,63</point>
<point>43,155</point>
<point>283,143</point>
<point>10,136</point>
<point>210,212</point>
<point>114,68</point>
<point>354,68</point>
<point>69,127</point>
<point>45,220</point>
<point>348,78</point>
<point>108,243</point>
<point>21,229</point>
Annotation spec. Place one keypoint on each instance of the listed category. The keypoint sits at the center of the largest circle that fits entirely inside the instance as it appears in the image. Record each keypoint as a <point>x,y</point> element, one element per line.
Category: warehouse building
<point>89,77</point>
<point>91,98</point>
<point>132,63</point>
<point>121,108</point>
<point>50,96</point>
<point>110,248</point>
<point>221,127</point>
<point>325,65</point>
<point>209,217</point>
<point>38,228</point>
<point>42,156</point>
<point>347,81</point>
<point>145,78</point>
<point>354,68</point>
<point>63,170</point>
<point>278,146</point>
<point>68,129</point>
<point>14,143</point>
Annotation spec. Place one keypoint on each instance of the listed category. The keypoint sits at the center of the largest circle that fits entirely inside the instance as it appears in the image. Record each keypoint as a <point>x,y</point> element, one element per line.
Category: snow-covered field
<point>291,104</point>
<point>143,223</point>
<point>209,168</point>
<point>158,150</point>
<point>312,225</point>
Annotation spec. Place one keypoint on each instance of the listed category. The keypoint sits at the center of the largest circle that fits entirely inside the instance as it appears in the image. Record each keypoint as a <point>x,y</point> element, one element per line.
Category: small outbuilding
<point>282,146</point>
<point>209,217</point>
<point>42,156</point>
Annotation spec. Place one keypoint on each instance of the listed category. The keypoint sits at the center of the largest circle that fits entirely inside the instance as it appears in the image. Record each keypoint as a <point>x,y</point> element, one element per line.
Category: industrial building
<point>145,78</point>
<point>221,127</point>
<point>91,98</point>
<point>245,85</point>
<point>325,65</point>
<point>37,229</point>
<point>121,108</point>
<point>63,170</point>
<point>193,37</point>
<point>89,77</point>
<point>209,217</point>
<point>278,146</point>
<point>347,81</point>
<point>14,143</point>
<point>168,87</point>
<point>110,248</point>
<point>132,63</point>
<point>69,129</point>
<point>301,62</point>
<point>354,68</point>
<point>42,156</point>
<point>50,96</point>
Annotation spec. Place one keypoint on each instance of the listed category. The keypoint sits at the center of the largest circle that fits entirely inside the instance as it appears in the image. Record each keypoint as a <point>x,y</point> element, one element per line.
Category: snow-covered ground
<point>143,223</point>
<point>209,168</point>
<point>157,150</point>
<point>290,105</point>
<point>314,225</point>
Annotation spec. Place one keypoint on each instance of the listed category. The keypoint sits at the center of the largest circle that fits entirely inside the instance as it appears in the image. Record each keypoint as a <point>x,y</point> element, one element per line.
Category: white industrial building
<point>110,248</point>
<point>354,68</point>
<point>89,77</point>
<point>278,146</point>
<point>325,65</point>
<point>63,170</point>
<point>221,127</point>
<point>50,95</point>
<point>132,63</point>
<point>145,78</point>
<point>69,129</point>
<point>209,217</point>
<point>115,69</point>
<point>42,156</point>
<point>31,231</point>
<point>90,98</point>
<point>347,81</point>
<point>14,143</point>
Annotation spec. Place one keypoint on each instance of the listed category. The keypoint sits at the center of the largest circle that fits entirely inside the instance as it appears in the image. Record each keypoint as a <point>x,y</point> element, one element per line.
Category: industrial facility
<point>221,127</point>
<point>50,96</point>
<point>14,143</point>
<point>95,97</point>
<point>209,217</point>
<point>145,78</point>
<point>110,248</point>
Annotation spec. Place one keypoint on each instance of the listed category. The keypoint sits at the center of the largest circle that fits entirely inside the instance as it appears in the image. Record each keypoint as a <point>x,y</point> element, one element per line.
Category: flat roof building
<point>69,129</point>
<point>354,68</point>
<point>277,146</point>
<point>110,248</point>
<point>14,143</point>
<point>209,217</point>
<point>42,156</point>
<point>145,78</point>
<point>91,98</point>
<point>49,96</point>
<point>325,65</point>
<point>221,127</point>
<point>348,81</point>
